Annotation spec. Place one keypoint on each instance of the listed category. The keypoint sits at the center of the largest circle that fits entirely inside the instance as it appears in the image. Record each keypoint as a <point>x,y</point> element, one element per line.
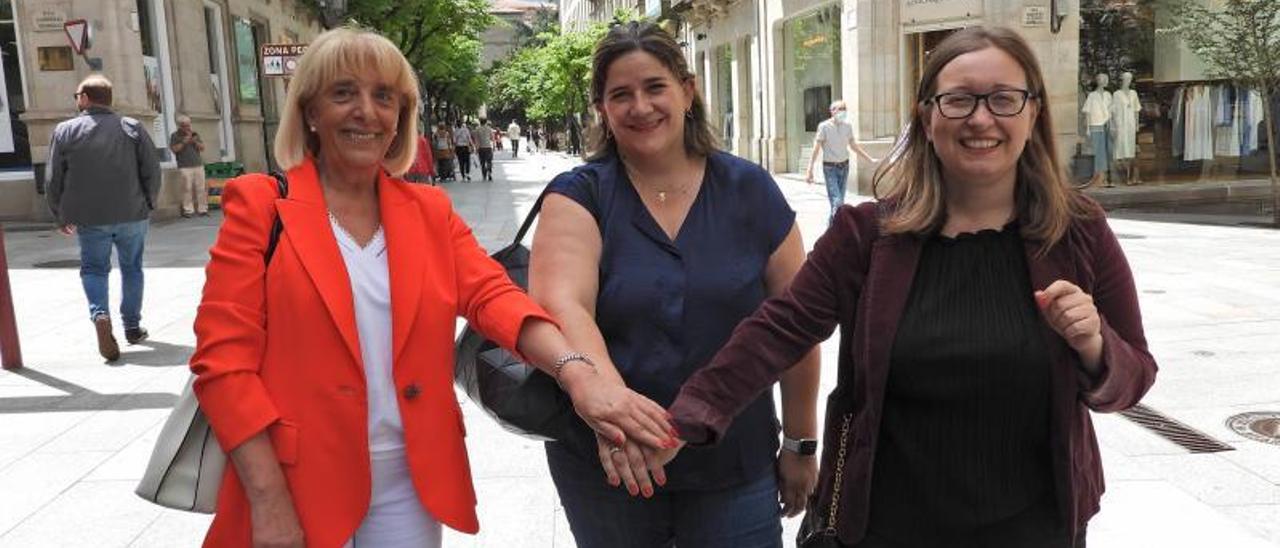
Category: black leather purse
<point>522,399</point>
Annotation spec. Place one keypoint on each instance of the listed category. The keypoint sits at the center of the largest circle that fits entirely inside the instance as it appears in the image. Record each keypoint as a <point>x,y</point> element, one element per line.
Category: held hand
<point>797,478</point>
<point>1071,313</point>
<point>67,230</point>
<point>275,523</point>
<point>630,465</point>
<point>616,412</point>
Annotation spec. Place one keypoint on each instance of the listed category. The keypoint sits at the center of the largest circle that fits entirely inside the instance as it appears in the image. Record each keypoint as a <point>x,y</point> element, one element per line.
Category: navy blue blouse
<point>665,307</point>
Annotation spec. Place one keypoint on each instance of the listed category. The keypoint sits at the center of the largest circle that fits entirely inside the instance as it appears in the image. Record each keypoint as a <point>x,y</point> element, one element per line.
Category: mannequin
<point>1097,113</point>
<point>1124,128</point>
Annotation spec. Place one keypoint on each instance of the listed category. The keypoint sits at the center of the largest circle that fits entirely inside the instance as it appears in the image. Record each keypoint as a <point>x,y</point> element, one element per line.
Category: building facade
<point>166,58</point>
<point>769,69</point>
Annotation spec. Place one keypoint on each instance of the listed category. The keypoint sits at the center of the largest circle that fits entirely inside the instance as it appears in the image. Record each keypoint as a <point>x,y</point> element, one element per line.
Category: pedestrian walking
<point>999,312</point>
<point>103,182</point>
<point>323,369</point>
<point>187,147</point>
<point>442,142</point>
<point>535,138</point>
<point>834,140</point>
<point>423,169</point>
<point>463,144</point>
<point>649,255</point>
<point>484,136</point>
<point>513,133</point>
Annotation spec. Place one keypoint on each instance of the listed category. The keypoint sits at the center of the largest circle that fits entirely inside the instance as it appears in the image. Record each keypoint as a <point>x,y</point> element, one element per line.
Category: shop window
<point>724,94</point>
<point>812,46</point>
<point>15,148</point>
<point>1148,115</point>
<point>156,76</point>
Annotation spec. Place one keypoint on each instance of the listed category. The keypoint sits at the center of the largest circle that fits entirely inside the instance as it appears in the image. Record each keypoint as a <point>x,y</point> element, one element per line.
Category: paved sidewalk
<point>75,433</point>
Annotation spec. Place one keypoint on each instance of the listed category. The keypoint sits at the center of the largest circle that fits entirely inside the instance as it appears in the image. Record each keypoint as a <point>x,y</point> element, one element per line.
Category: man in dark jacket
<point>104,175</point>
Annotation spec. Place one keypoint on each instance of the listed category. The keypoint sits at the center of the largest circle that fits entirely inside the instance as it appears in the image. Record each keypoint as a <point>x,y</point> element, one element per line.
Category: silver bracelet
<point>571,357</point>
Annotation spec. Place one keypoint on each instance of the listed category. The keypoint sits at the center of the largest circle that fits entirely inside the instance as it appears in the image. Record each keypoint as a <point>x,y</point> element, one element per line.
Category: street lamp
<point>332,12</point>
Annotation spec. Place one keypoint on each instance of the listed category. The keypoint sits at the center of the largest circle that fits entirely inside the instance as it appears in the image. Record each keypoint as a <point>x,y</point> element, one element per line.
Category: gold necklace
<point>661,193</point>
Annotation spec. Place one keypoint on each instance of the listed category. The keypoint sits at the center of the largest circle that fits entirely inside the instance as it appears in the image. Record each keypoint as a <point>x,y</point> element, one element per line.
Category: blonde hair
<point>336,53</point>
<point>1045,201</point>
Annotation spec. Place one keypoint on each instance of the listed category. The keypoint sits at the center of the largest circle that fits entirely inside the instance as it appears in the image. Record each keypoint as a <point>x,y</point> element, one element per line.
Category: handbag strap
<point>282,186</point>
<point>537,206</point>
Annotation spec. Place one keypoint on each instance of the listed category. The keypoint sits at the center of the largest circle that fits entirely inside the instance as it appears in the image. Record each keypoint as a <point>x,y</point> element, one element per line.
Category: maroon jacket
<point>829,290</point>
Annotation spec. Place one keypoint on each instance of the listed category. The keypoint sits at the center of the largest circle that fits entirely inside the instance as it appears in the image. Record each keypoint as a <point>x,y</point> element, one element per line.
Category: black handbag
<point>522,399</point>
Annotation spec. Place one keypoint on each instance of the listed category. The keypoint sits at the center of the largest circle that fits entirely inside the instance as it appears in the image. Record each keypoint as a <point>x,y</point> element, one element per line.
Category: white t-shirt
<point>834,138</point>
<point>461,136</point>
<point>513,131</point>
<point>1097,108</point>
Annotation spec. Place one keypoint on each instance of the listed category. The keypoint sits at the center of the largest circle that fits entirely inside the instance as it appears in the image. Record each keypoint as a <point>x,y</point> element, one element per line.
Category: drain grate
<point>1184,436</point>
<point>1260,426</point>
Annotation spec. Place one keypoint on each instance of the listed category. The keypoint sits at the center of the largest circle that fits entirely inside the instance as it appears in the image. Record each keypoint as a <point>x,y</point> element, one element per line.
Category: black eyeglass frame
<point>1027,96</point>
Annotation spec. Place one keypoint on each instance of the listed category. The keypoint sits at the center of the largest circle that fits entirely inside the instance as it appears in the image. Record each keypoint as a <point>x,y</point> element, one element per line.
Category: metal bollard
<point>10,351</point>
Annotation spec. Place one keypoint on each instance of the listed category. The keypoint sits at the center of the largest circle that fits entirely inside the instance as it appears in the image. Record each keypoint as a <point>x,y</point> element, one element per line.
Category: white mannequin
<point>1097,113</point>
<point>1124,127</point>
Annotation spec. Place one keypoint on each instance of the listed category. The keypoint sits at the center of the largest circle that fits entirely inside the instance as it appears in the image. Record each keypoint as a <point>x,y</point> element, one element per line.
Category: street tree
<point>1239,40</point>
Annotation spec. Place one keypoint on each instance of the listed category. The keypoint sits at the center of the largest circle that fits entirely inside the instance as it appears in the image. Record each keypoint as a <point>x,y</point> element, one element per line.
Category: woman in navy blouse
<point>649,255</point>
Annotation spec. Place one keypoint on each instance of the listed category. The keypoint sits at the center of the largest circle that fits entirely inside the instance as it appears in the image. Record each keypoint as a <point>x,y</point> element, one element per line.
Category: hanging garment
<point>1176,114</point>
<point>1251,118</point>
<point>1226,137</point>
<point>1199,125</point>
<point>1124,123</point>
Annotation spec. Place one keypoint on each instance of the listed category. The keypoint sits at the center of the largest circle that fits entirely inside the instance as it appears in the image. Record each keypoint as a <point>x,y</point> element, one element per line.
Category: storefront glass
<point>812,43</point>
<point>1148,113</point>
<point>155,71</point>
<point>15,149</point>
<point>724,96</point>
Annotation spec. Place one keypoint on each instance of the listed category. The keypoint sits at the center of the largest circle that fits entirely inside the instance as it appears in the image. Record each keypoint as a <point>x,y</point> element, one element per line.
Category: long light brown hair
<point>624,38</point>
<point>1045,201</point>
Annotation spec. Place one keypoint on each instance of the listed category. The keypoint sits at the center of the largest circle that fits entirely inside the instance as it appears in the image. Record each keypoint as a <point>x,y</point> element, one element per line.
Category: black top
<point>964,439</point>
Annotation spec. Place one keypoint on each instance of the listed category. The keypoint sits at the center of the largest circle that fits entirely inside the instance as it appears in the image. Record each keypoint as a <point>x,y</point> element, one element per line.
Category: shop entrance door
<point>920,45</point>
<point>217,45</point>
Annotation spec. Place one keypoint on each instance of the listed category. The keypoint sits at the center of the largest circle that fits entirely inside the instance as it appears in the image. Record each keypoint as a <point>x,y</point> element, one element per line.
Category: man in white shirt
<point>835,140</point>
<point>484,149</point>
<point>513,133</point>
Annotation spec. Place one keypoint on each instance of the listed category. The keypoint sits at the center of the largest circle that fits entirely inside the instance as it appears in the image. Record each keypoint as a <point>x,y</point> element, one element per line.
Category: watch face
<point>808,447</point>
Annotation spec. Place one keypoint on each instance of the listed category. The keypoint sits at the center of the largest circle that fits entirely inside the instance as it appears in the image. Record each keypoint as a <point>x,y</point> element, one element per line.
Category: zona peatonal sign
<point>280,60</point>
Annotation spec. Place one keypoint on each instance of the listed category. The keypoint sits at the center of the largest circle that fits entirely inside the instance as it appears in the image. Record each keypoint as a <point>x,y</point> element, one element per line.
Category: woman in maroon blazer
<point>985,308</point>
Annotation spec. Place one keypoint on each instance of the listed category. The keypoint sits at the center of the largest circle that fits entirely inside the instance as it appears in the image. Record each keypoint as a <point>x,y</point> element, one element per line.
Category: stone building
<point>165,57</point>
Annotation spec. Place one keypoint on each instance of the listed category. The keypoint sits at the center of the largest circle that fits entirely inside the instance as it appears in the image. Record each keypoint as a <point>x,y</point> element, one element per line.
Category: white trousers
<point>396,518</point>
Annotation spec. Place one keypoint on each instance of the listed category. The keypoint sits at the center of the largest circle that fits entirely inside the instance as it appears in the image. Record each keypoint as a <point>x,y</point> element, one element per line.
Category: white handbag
<point>186,465</point>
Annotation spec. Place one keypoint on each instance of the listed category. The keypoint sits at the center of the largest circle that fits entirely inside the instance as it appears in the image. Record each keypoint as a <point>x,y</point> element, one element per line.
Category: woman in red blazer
<point>985,308</point>
<point>326,373</point>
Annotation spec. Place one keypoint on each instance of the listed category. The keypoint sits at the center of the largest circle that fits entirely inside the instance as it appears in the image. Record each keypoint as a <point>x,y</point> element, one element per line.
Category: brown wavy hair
<point>624,38</point>
<point>1045,201</point>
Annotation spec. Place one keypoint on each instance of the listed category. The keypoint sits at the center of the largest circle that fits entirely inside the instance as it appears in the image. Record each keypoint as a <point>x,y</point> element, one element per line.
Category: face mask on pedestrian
<point>842,116</point>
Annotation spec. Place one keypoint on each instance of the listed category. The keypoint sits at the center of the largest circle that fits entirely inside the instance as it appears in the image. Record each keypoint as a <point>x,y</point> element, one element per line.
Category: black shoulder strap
<point>537,206</point>
<point>282,185</point>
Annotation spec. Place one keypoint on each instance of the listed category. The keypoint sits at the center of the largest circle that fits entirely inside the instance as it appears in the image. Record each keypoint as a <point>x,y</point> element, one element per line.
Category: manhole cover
<point>1263,426</point>
<point>60,263</point>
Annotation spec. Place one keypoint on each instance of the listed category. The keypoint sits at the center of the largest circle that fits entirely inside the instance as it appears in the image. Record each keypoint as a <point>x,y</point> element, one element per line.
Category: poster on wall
<point>6,124</point>
<point>155,96</point>
<point>246,61</point>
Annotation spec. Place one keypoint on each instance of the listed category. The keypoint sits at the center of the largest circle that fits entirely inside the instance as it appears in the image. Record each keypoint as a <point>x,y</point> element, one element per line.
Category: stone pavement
<point>75,433</point>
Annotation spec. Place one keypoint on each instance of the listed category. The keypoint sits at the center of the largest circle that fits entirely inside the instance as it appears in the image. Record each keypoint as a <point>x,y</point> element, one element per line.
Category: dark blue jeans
<point>96,242</point>
<point>836,177</point>
<point>601,516</point>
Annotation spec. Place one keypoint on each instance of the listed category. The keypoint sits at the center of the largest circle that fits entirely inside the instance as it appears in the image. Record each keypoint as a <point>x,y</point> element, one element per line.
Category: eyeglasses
<point>1004,103</point>
<point>76,95</point>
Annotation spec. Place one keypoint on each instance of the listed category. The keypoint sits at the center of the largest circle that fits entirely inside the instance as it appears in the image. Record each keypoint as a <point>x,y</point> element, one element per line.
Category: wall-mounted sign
<point>1035,16</point>
<point>929,11</point>
<point>280,60</point>
<point>55,58</point>
<point>48,20</point>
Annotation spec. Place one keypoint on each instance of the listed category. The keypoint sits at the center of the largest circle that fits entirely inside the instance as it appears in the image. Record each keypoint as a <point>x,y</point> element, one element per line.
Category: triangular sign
<point>77,30</point>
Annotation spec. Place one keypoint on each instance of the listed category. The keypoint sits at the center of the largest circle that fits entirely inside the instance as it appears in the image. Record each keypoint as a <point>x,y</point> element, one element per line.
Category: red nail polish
<point>648,492</point>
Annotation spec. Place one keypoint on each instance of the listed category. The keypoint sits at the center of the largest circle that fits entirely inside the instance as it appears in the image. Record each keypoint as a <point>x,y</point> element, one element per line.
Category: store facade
<point>166,58</point>
<point>1156,118</point>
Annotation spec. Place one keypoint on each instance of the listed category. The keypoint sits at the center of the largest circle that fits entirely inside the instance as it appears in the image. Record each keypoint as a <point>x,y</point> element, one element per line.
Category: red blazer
<point>861,283</point>
<point>280,352</point>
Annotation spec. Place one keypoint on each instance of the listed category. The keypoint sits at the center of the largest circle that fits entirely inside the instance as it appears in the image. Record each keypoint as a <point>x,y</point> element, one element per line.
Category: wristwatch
<point>802,447</point>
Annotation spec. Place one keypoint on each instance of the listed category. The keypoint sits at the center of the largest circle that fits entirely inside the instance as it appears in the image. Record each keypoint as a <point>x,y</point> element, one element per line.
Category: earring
<point>689,113</point>
<point>313,129</point>
<point>608,135</point>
